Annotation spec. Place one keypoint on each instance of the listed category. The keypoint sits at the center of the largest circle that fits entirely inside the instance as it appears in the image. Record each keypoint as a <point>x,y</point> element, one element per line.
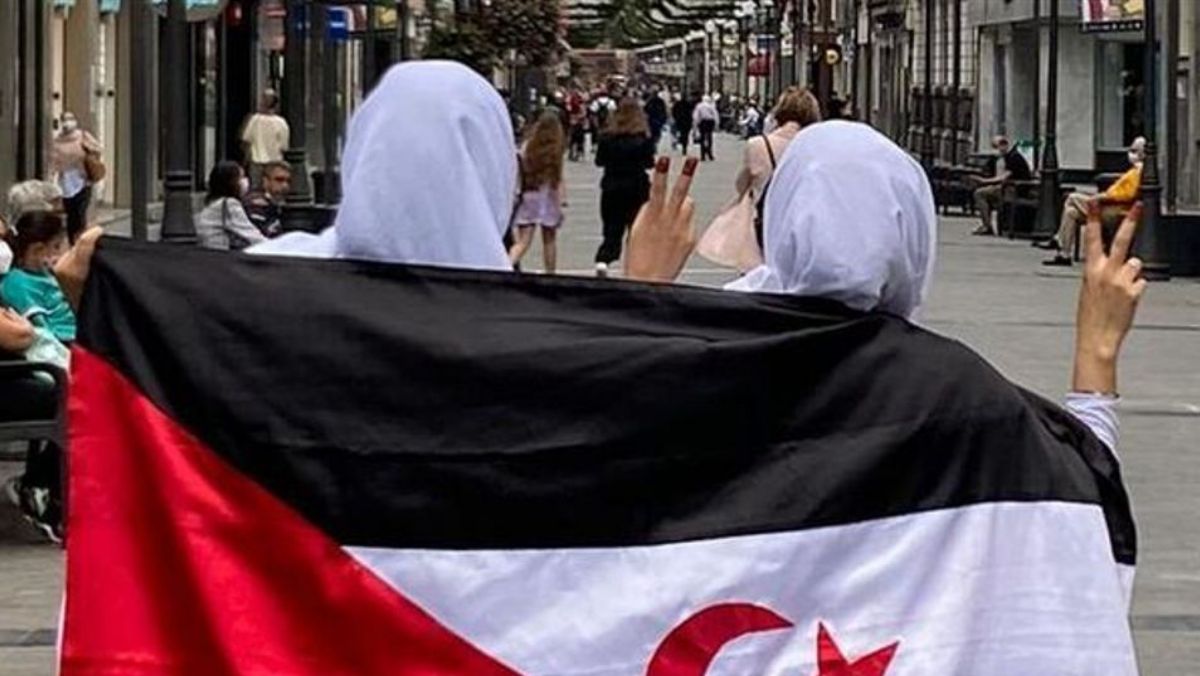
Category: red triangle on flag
<point>177,563</point>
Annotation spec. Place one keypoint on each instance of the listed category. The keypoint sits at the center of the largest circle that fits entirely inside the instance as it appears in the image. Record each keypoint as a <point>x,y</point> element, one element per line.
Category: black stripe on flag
<point>410,407</point>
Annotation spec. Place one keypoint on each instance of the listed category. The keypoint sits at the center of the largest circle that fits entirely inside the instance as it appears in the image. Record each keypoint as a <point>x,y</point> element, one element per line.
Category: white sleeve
<point>239,223</point>
<point>1099,413</point>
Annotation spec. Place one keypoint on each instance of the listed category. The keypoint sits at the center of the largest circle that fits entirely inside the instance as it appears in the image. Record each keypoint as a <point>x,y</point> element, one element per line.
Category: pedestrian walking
<point>223,223</point>
<point>797,108</point>
<point>265,136</point>
<point>540,207</point>
<point>656,115</point>
<point>76,166</point>
<point>681,117</point>
<point>705,119</point>
<point>600,109</point>
<point>577,118</point>
<point>626,152</point>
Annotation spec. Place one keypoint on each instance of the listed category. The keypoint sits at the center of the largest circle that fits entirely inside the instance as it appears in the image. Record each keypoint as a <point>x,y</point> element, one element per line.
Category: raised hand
<point>663,236</point>
<point>1108,300</point>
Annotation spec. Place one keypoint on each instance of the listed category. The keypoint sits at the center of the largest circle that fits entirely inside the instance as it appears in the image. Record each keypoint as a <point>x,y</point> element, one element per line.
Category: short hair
<point>797,104</point>
<point>277,164</point>
<point>34,195</point>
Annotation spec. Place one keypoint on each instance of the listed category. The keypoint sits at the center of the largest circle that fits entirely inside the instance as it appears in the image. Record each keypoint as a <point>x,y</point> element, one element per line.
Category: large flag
<point>330,467</point>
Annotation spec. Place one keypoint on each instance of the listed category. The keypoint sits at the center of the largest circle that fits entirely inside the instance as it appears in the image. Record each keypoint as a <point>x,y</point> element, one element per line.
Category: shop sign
<point>1106,16</point>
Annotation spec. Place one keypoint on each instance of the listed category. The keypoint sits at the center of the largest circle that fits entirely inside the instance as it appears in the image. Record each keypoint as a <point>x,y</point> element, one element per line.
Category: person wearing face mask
<point>29,288</point>
<point>223,223</point>
<point>25,197</point>
<point>1122,193</point>
<point>69,166</point>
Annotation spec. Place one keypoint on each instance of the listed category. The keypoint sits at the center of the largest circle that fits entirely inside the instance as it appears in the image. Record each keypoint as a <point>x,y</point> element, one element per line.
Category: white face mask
<point>69,125</point>
<point>1134,158</point>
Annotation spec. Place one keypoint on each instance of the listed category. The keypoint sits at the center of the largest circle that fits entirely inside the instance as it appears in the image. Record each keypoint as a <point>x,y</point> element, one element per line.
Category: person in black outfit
<point>1011,167</point>
<point>625,153</point>
<point>681,115</point>
<point>656,115</point>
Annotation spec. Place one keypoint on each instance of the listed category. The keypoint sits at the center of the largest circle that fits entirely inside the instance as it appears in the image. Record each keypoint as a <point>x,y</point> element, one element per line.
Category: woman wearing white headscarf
<point>851,217</point>
<point>429,174</point>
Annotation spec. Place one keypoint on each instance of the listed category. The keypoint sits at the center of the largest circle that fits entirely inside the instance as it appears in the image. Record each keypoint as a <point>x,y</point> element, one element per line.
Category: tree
<point>465,42</point>
<point>532,28</point>
<point>481,39</point>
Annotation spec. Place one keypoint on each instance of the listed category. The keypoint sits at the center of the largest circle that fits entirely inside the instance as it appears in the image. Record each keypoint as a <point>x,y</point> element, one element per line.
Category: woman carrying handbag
<point>76,166</point>
<point>734,238</point>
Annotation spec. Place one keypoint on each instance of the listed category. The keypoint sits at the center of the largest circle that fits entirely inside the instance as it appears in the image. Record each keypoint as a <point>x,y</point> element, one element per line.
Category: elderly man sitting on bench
<point>1123,192</point>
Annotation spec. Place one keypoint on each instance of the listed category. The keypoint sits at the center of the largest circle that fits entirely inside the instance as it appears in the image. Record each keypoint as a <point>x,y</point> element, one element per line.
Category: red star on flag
<point>831,661</point>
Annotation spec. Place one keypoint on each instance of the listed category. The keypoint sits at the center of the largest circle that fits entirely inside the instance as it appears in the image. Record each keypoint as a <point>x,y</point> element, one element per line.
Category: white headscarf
<point>849,216</point>
<point>429,174</point>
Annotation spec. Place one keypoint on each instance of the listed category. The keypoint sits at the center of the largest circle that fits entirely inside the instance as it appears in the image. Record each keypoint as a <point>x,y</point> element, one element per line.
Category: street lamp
<point>927,142</point>
<point>1150,244</point>
<point>768,22</point>
<point>1048,204</point>
<point>177,223</point>
<point>294,103</point>
<point>744,15</point>
<point>710,30</point>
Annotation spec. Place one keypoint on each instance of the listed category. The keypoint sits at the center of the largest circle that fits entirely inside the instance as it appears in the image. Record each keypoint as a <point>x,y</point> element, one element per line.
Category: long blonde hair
<point>542,157</point>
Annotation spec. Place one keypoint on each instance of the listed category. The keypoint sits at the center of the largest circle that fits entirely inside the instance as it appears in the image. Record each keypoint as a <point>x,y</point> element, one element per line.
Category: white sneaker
<point>602,270</point>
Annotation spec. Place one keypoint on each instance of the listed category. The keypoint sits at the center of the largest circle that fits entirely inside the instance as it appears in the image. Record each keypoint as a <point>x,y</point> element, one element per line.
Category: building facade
<point>1001,75</point>
<point>76,55</point>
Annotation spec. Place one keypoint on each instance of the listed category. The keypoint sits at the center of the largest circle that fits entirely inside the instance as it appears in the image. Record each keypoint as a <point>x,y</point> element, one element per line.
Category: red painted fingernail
<point>689,167</point>
<point>663,164</point>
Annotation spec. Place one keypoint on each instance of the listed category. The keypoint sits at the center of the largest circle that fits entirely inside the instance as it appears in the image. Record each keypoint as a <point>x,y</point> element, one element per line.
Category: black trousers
<point>27,399</point>
<point>707,127</point>
<point>77,208</point>
<point>618,208</point>
<point>685,138</point>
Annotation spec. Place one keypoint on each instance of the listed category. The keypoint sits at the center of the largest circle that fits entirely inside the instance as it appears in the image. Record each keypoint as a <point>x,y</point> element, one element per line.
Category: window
<point>1120,85</point>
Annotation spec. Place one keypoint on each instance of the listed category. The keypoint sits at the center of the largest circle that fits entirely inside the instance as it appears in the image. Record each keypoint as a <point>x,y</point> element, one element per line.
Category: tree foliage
<point>530,27</point>
<point>484,38</point>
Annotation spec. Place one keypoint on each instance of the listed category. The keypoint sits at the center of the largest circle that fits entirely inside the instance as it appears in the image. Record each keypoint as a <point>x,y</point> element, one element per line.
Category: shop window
<point>1120,91</point>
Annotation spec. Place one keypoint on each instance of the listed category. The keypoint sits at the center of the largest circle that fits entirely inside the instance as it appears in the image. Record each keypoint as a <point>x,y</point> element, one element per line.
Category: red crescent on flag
<point>690,648</point>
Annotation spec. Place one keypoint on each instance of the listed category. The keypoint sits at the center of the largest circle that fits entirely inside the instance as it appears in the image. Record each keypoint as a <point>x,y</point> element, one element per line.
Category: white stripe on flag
<point>993,589</point>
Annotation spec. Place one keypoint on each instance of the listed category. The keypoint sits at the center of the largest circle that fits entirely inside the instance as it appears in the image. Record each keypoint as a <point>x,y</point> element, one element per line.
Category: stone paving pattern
<point>990,293</point>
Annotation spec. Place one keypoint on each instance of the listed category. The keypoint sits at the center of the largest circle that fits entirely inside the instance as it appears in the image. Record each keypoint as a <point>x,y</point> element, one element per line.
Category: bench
<point>954,186</point>
<point>1020,200</point>
<point>53,428</point>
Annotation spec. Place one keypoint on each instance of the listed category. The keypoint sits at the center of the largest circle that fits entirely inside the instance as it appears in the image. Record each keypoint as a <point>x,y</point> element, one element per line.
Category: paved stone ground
<point>993,295</point>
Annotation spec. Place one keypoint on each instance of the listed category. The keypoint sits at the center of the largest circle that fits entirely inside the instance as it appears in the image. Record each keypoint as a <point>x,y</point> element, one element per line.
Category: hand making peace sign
<point>663,236</point>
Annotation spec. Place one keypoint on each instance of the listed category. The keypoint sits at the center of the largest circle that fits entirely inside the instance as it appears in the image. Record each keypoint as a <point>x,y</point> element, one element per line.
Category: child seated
<point>40,237</point>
